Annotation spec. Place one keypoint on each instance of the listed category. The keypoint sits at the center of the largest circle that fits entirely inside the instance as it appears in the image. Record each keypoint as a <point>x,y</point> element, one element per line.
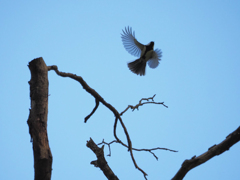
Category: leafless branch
<point>215,150</point>
<point>108,144</point>
<point>101,161</point>
<point>135,149</point>
<point>93,111</point>
<point>109,106</point>
<point>142,103</point>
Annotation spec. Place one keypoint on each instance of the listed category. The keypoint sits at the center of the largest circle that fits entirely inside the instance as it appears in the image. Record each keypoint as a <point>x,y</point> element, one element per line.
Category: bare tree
<point>37,122</point>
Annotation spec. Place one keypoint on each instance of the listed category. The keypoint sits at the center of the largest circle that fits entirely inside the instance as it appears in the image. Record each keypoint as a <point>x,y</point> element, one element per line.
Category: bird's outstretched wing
<point>154,61</point>
<point>130,42</point>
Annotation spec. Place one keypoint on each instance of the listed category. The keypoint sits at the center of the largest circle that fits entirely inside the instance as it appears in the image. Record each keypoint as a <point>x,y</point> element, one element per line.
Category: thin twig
<point>135,149</point>
<point>142,103</point>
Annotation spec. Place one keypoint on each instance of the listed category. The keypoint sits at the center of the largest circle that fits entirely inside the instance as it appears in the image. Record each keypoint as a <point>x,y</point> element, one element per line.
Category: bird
<point>145,53</point>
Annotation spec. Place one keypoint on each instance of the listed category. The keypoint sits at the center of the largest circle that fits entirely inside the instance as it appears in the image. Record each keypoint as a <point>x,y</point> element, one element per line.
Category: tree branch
<point>215,150</point>
<point>140,104</point>
<point>101,161</point>
<point>109,106</point>
<point>135,149</point>
<point>93,111</point>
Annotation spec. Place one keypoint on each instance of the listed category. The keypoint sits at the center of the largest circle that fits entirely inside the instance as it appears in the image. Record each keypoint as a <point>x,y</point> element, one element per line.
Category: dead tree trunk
<point>37,120</point>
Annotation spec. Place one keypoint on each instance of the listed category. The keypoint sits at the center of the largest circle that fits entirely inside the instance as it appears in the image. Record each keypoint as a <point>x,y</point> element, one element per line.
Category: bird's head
<point>151,44</point>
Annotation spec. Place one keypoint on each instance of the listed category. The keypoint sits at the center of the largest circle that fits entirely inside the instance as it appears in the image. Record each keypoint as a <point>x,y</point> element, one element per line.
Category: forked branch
<point>142,103</point>
<point>135,149</point>
<point>101,161</point>
<point>98,99</point>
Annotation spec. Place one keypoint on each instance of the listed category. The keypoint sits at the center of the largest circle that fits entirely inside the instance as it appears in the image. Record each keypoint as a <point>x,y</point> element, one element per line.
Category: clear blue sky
<point>198,78</point>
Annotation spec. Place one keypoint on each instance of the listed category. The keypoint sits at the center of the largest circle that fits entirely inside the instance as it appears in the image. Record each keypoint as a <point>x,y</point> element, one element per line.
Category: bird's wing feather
<point>154,61</point>
<point>130,42</point>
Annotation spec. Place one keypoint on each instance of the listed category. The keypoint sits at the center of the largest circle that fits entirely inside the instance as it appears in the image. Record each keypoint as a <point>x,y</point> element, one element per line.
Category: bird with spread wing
<point>146,53</point>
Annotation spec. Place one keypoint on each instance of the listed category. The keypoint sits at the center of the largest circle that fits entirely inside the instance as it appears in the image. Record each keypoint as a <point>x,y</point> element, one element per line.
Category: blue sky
<point>198,79</point>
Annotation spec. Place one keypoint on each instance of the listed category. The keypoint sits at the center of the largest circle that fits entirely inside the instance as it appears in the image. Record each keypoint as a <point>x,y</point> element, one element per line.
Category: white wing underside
<point>130,42</point>
<point>154,61</point>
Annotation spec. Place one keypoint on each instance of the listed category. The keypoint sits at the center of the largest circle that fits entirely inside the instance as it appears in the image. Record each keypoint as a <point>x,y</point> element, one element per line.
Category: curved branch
<point>129,143</point>
<point>215,150</point>
<point>109,106</point>
<point>93,111</point>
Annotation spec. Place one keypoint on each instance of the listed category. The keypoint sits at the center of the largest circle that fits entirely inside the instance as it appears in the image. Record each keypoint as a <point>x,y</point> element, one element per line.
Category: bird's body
<point>145,52</point>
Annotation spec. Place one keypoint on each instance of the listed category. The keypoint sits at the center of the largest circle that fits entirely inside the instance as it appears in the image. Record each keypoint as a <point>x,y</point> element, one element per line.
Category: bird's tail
<point>138,66</point>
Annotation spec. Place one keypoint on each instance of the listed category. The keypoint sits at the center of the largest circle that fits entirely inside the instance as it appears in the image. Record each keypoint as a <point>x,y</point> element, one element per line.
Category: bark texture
<point>37,120</point>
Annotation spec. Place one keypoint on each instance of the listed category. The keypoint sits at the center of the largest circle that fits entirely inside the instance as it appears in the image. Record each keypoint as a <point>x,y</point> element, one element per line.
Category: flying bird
<point>146,53</point>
